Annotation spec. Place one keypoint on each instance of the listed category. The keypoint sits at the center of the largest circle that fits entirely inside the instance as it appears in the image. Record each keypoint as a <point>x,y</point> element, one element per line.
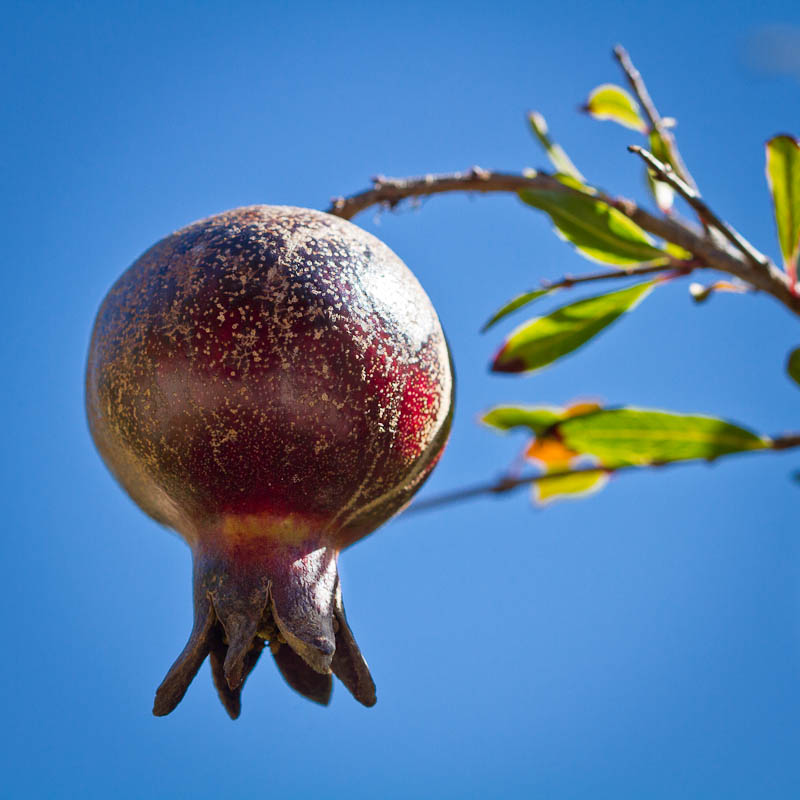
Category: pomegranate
<point>273,384</point>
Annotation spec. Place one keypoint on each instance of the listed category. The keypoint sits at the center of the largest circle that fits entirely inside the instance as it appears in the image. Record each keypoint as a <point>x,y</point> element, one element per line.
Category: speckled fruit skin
<point>272,383</point>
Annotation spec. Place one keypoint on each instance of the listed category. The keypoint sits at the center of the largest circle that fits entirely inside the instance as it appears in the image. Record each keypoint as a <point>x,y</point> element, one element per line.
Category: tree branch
<point>389,192</point>
<point>505,485</point>
<point>656,122</point>
<point>568,281</point>
<point>665,173</point>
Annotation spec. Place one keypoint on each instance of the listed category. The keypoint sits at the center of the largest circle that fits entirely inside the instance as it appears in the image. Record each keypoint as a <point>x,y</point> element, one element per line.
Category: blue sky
<point>643,643</point>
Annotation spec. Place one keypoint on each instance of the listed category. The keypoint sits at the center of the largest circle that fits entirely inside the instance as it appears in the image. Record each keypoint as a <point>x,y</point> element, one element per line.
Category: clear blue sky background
<point>642,643</point>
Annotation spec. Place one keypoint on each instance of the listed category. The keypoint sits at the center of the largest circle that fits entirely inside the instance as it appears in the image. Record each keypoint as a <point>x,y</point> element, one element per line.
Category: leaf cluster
<point>577,448</point>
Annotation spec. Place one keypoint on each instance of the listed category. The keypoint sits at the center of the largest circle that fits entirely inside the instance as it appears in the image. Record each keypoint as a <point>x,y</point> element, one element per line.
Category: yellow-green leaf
<point>512,305</point>
<point>535,418</point>
<point>543,340</point>
<point>597,230</point>
<point>612,102</point>
<point>658,147</point>
<point>676,251</point>
<point>558,157</point>
<point>624,436</point>
<point>663,193</point>
<point>568,487</point>
<point>783,177</point>
<point>793,365</point>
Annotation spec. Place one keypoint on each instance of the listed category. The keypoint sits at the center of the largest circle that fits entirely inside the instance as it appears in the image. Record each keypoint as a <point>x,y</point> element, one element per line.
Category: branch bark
<point>506,484</point>
<point>665,173</point>
<point>568,281</point>
<point>389,192</point>
<point>718,246</point>
<point>656,122</point>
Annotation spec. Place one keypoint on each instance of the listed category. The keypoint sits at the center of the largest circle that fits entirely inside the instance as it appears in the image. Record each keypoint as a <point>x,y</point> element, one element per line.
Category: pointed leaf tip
<point>783,178</point>
<point>543,340</point>
<point>633,436</point>
<point>557,155</point>
<point>502,363</point>
<point>611,102</point>
<point>514,304</point>
<point>537,419</point>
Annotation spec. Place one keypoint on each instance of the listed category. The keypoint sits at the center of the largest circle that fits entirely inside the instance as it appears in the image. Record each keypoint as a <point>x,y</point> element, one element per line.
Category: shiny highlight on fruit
<point>273,384</point>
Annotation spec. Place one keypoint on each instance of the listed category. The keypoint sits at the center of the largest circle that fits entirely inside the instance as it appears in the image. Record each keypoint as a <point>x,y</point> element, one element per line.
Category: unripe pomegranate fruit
<point>273,383</point>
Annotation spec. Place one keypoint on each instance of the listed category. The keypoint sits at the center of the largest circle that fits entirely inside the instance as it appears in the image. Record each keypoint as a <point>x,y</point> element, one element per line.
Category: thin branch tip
<point>707,216</point>
<point>657,124</point>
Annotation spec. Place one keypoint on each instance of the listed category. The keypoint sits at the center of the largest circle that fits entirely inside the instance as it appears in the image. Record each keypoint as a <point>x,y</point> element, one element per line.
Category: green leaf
<point>793,365</point>
<point>599,231</point>
<point>658,148</point>
<point>663,193</point>
<point>612,102</point>
<point>783,177</point>
<point>624,436</point>
<point>676,251</point>
<point>558,157</point>
<point>543,340</point>
<point>538,419</point>
<point>568,487</point>
<point>512,305</point>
